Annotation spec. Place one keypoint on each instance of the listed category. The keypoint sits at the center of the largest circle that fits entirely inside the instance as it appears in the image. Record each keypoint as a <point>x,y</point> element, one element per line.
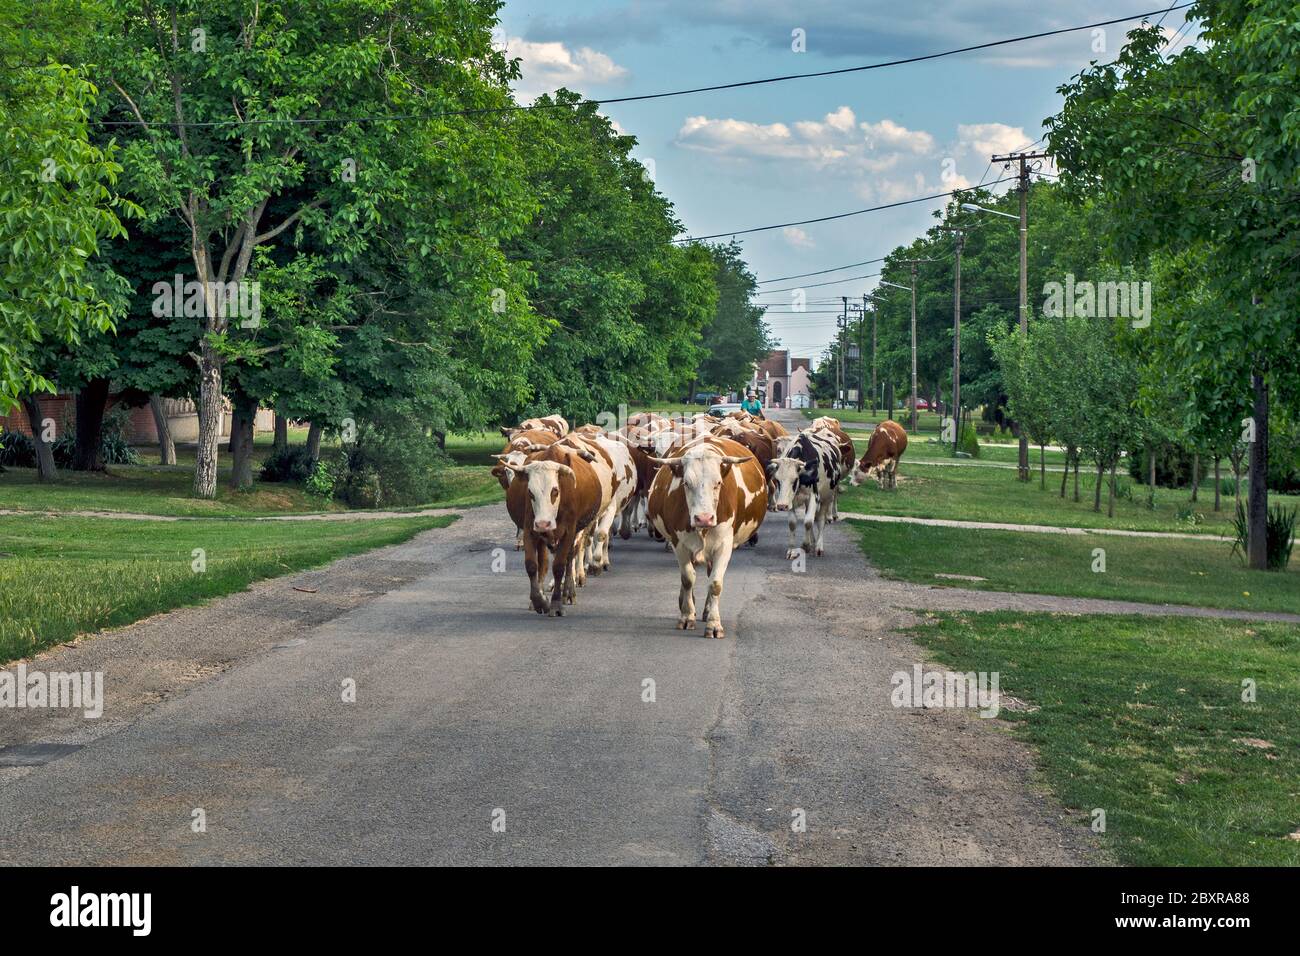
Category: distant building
<point>182,418</point>
<point>782,381</point>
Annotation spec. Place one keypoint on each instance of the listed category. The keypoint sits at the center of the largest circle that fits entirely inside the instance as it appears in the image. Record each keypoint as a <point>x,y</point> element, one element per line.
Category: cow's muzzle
<point>542,525</point>
<point>705,521</point>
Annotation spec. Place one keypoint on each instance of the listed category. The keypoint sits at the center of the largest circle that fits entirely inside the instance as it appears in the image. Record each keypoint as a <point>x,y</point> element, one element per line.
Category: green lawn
<point>60,577</point>
<point>994,494</point>
<point>1144,719</point>
<point>1152,570</point>
<point>150,488</point>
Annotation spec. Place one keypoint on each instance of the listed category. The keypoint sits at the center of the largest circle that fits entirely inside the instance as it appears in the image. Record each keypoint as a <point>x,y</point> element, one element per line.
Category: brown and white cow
<point>617,474</point>
<point>880,461</point>
<point>514,456</point>
<point>557,496</point>
<point>551,423</point>
<point>708,498</point>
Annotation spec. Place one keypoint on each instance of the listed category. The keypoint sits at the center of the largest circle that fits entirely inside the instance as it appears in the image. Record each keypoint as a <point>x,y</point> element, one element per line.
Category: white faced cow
<point>706,500</point>
<point>803,482</point>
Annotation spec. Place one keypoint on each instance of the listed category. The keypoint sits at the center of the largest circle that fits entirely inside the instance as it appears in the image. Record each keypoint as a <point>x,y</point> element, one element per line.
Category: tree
<point>57,203</point>
<point>1200,152</point>
<point>737,336</point>
<point>258,123</point>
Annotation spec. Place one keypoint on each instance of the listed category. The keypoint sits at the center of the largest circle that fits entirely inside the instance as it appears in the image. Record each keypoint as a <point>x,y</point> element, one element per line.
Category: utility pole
<point>844,321</point>
<point>874,312</point>
<point>955,415</point>
<point>912,425</point>
<point>1023,160</point>
<point>862,357</point>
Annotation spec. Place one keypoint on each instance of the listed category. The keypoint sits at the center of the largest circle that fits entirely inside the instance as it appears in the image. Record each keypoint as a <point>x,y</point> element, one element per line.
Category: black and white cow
<point>803,482</point>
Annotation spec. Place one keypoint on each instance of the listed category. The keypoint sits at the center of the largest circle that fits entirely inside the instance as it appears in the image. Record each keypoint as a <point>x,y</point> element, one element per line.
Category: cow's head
<point>508,465</point>
<point>862,471</point>
<point>701,471</point>
<point>785,475</point>
<point>546,483</point>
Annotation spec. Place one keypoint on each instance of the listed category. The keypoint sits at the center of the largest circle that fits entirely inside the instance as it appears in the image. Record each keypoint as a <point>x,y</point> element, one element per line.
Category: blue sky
<point>777,153</point>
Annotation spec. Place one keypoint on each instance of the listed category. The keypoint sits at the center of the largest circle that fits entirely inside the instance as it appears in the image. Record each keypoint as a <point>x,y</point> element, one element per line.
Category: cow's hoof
<point>541,607</point>
<point>820,552</point>
<point>792,554</point>
<point>714,629</point>
<point>558,611</point>
<point>686,624</point>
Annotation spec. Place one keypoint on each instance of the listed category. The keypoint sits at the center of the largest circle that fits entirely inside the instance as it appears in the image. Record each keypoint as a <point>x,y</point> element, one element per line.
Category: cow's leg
<point>893,474</point>
<point>535,565</point>
<point>792,550</point>
<point>600,561</point>
<point>563,554</point>
<point>519,539</point>
<point>720,558</point>
<point>823,510</point>
<point>625,520</point>
<point>686,599</point>
<point>811,510</point>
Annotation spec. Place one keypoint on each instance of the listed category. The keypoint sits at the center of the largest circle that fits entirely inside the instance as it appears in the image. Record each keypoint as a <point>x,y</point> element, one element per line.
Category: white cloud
<point>836,141</point>
<point>548,66</point>
<point>985,139</point>
<point>797,237</point>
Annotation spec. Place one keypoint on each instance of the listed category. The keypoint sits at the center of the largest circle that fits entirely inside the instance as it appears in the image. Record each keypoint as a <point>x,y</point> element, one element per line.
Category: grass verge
<point>1144,718</point>
<point>1153,570</point>
<point>60,577</point>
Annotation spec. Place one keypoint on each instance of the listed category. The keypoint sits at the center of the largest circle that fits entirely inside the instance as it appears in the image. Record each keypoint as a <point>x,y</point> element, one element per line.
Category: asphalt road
<point>471,710</point>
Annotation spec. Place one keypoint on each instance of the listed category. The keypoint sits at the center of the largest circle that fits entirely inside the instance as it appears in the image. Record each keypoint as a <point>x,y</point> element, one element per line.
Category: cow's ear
<point>771,469</point>
<point>586,455</point>
<point>505,431</point>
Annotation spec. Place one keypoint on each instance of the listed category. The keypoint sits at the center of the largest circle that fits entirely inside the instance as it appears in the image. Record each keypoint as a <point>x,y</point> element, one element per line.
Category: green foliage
<point>391,463</point>
<point>1279,531</point>
<point>17,450</point>
<point>737,336</point>
<point>292,463</point>
<point>321,481</point>
<point>969,442</point>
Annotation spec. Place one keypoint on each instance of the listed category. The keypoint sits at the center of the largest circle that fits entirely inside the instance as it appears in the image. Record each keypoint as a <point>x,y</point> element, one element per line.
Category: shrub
<point>389,464</point>
<point>293,463</point>
<point>1278,533</point>
<point>17,450</point>
<point>1228,487</point>
<point>970,443</point>
<point>114,449</point>
<point>321,481</point>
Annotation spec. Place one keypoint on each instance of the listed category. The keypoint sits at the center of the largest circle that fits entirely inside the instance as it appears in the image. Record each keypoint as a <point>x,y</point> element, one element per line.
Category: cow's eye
<point>555,495</point>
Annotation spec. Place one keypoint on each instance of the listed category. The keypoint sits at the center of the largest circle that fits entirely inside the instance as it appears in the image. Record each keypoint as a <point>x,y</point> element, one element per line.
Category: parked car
<point>706,398</point>
<point>922,405</point>
<point>725,408</point>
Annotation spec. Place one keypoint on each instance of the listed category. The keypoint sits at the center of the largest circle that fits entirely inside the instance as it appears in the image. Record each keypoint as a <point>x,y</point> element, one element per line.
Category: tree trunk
<point>1151,478</point>
<point>1101,474</point>
<point>90,402</point>
<point>241,443</point>
<point>1236,478</point>
<point>209,407</point>
<point>1257,503</point>
<point>313,440</point>
<point>1110,498</point>
<point>1217,481</point>
<point>1196,473</point>
<point>1042,468</point>
<point>281,442</point>
<point>166,447</point>
<point>45,470</point>
<point>1077,456</point>
<point>1065,474</point>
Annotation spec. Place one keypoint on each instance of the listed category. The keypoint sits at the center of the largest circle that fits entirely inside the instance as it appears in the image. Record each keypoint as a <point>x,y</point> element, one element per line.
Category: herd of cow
<point>701,484</point>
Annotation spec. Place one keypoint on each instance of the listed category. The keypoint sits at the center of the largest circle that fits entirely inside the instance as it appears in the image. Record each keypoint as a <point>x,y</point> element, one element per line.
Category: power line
<point>516,108</point>
<point>842,215</point>
<point>851,265</point>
